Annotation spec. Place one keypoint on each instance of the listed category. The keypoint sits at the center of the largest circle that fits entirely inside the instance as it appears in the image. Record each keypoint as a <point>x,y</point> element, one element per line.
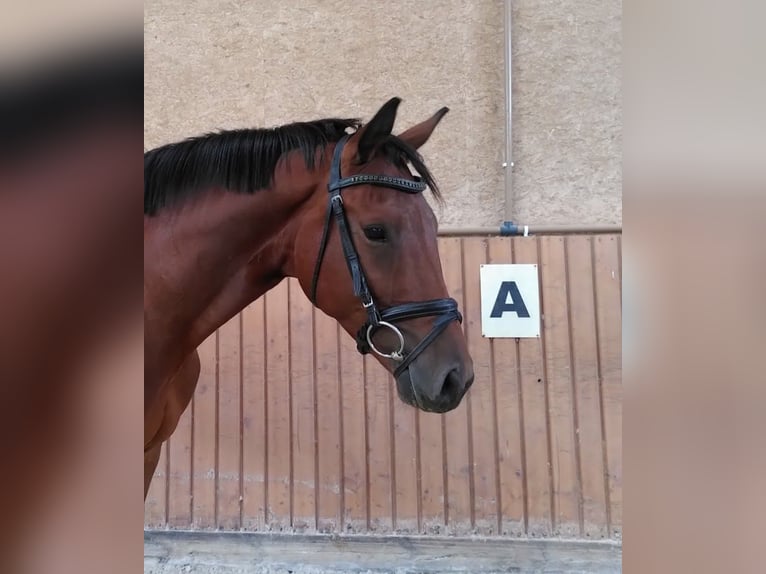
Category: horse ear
<point>417,135</point>
<point>376,130</point>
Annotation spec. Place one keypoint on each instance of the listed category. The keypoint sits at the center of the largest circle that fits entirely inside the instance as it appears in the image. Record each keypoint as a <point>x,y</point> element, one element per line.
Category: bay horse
<point>229,215</point>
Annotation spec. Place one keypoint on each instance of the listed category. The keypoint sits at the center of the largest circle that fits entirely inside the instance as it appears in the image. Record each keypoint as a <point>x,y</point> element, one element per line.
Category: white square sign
<point>510,301</point>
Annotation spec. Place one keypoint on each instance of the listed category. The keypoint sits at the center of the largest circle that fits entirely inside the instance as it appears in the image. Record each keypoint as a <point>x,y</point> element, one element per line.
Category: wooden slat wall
<point>291,429</point>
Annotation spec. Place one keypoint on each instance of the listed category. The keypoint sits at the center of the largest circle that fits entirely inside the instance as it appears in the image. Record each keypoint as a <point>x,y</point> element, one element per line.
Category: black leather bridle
<point>445,310</point>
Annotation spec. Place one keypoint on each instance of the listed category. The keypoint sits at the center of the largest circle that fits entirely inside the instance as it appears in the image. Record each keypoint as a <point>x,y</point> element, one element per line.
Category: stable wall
<point>214,64</point>
<point>292,430</point>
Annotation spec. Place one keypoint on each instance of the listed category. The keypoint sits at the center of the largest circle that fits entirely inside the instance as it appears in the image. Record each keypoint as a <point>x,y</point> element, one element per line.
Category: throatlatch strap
<point>320,257</point>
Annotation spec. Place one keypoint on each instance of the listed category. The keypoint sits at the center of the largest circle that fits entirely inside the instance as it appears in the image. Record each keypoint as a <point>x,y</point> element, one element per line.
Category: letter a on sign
<point>510,301</point>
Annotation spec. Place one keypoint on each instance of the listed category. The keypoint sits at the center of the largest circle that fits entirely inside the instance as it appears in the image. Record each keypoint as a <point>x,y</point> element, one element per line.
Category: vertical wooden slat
<point>179,491</point>
<point>278,407</point>
<point>561,401</point>
<point>481,397</point>
<point>156,501</point>
<point>585,373</point>
<point>204,456</point>
<point>405,464</point>
<point>378,389</point>
<point>431,472</point>
<point>533,396</point>
<point>457,448</point>
<point>609,313</point>
<point>303,435</point>
<point>254,362</point>
<point>354,434</point>
<point>228,492</point>
<point>508,411</point>
<point>328,425</point>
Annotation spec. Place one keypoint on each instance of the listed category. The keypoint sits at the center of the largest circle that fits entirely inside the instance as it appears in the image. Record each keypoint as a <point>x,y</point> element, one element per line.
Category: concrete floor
<point>176,552</point>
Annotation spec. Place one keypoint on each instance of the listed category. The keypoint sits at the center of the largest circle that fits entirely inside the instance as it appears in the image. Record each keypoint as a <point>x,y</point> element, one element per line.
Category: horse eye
<point>375,233</point>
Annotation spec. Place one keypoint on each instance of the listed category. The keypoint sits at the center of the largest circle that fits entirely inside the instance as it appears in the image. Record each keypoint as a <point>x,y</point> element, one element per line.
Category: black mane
<point>244,160</point>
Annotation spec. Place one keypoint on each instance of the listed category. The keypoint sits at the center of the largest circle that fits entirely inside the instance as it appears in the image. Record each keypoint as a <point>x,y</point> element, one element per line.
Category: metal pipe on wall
<point>516,230</point>
<point>508,228</point>
<point>508,164</point>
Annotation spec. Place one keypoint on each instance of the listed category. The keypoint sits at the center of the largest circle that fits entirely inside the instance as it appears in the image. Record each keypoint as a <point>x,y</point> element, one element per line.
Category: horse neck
<point>207,262</point>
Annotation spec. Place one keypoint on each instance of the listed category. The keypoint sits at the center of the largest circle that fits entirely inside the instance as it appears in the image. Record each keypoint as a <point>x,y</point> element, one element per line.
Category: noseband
<point>445,310</point>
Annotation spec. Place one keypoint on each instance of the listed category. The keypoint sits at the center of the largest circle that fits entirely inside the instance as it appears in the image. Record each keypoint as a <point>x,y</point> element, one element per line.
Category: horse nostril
<point>452,387</point>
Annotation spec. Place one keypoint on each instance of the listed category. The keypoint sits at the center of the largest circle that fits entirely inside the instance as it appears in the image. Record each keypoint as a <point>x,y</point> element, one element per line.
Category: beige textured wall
<point>567,116</point>
<point>220,64</point>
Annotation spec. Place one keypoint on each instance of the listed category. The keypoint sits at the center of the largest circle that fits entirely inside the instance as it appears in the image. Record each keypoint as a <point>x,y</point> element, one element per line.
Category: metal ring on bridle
<point>394,355</point>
